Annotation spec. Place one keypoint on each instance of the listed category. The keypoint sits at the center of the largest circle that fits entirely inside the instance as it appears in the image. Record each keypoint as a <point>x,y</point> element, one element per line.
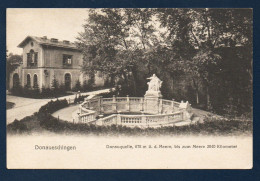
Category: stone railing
<point>163,112</point>
<point>131,104</point>
<point>109,120</point>
<point>142,121</point>
<point>86,115</point>
<point>87,118</point>
<point>150,120</point>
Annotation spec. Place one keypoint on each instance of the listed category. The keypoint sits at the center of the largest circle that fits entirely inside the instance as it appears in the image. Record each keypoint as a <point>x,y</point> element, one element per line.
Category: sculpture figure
<point>154,84</point>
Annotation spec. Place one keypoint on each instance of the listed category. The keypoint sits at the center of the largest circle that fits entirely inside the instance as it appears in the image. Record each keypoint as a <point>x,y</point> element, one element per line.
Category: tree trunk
<point>197,97</point>
<point>134,79</point>
<point>125,78</point>
<point>208,98</point>
<point>197,91</point>
<point>112,80</point>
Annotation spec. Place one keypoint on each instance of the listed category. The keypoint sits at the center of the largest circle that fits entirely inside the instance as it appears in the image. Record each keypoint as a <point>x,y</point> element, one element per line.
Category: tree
<point>12,62</point>
<point>111,42</point>
<point>55,86</point>
<point>205,30</point>
<point>186,48</point>
<point>77,85</point>
<point>85,85</point>
<point>104,34</point>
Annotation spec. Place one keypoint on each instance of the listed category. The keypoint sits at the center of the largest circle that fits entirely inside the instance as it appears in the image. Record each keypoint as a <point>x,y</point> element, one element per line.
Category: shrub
<point>17,90</point>
<point>17,127</point>
<point>85,85</point>
<point>91,81</point>
<point>57,90</point>
<point>54,83</point>
<point>53,106</point>
<point>9,105</point>
<point>62,89</point>
<point>210,127</point>
<point>77,86</point>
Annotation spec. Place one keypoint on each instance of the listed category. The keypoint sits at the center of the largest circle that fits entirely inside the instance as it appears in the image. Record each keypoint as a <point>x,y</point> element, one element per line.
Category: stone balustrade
<point>142,121</point>
<point>163,112</point>
<point>86,118</point>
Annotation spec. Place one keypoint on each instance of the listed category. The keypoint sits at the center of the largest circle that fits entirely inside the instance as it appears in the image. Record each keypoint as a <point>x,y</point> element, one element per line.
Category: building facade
<point>47,59</point>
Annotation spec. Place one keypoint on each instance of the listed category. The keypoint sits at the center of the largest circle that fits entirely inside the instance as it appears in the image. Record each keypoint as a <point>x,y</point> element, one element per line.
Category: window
<point>32,59</point>
<point>67,60</point>
<point>28,81</point>
<point>35,81</point>
<point>35,60</point>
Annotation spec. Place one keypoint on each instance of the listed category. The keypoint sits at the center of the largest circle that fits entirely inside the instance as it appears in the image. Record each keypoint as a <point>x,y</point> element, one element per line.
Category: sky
<point>63,24</point>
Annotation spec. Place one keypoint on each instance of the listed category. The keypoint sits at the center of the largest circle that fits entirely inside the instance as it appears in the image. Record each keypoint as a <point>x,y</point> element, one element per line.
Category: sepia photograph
<point>172,87</point>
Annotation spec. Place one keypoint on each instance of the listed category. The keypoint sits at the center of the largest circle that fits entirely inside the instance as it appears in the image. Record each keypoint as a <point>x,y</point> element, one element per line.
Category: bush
<point>18,90</point>
<point>221,128</point>
<point>211,126</point>
<point>77,86</point>
<point>17,127</point>
<point>36,93</point>
<point>9,105</point>
<point>53,106</point>
<point>85,85</point>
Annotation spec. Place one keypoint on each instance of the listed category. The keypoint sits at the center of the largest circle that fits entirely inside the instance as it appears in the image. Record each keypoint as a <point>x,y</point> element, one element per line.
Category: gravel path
<point>66,114</point>
<point>27,106</point>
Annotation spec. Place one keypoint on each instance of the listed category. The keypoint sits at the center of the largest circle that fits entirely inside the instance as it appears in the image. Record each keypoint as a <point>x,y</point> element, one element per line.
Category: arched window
<point>32,58</point>
<point>35,81</point>
<point>28,81</point>
<point>67,78</point>
<point>15,80</point>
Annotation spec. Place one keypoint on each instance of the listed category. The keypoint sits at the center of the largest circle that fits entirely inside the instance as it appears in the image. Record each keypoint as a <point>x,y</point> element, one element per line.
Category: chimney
<point>66,41</point>
<point>54,40</point>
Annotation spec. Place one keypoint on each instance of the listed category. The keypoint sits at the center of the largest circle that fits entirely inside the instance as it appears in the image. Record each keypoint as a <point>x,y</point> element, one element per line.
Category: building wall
<point>59,75</point>
<point>18,71</point>
<point>53,57</point>
<point>31,72</point>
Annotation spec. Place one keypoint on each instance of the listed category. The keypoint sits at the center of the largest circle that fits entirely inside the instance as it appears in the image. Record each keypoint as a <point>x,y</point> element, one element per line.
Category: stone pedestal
<point>153,94</point>
<point>114,108</point>
<point>152,102</point>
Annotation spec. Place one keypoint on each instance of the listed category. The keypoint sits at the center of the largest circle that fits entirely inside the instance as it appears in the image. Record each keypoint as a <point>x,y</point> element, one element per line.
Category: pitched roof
<point>48,42</point>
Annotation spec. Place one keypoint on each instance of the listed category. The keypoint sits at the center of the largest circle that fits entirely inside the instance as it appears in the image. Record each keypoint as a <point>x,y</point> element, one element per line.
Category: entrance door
<point>68,81</point>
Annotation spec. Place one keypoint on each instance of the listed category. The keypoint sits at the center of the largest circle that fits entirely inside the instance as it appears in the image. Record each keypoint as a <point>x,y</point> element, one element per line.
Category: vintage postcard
<point>133,88</point>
